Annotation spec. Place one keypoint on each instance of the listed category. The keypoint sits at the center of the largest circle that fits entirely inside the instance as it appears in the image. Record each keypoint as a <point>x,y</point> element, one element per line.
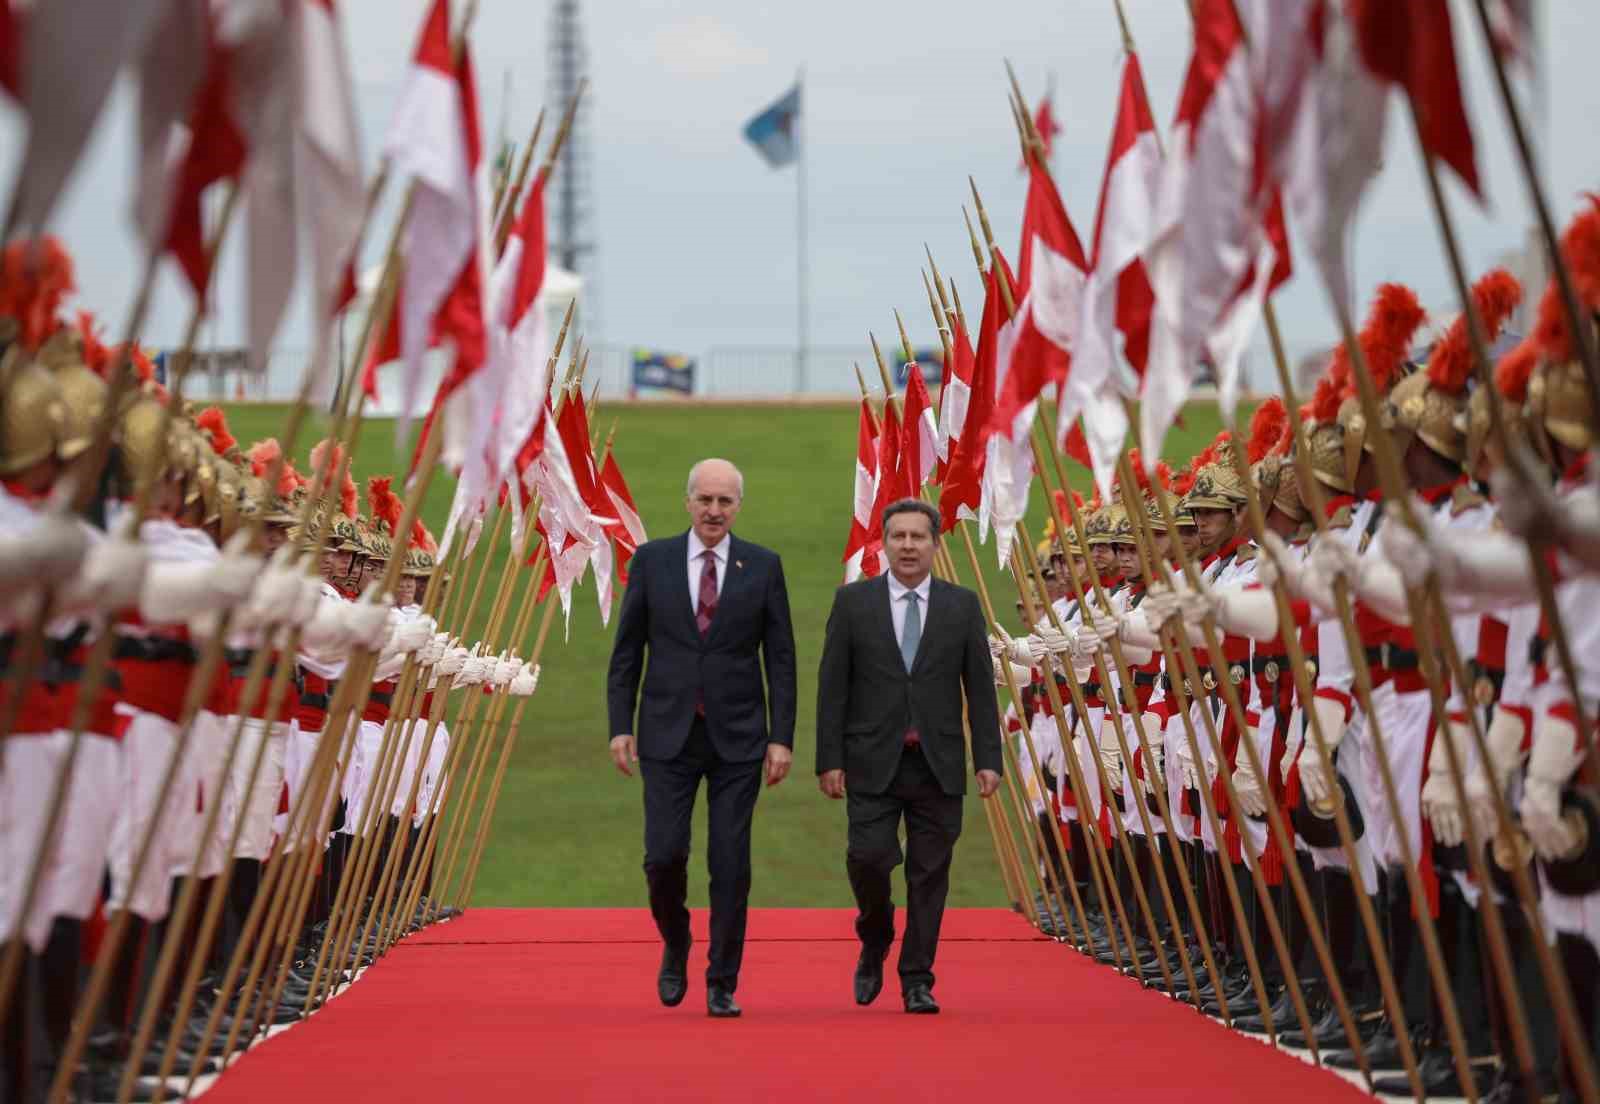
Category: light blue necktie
<point>912,636</point>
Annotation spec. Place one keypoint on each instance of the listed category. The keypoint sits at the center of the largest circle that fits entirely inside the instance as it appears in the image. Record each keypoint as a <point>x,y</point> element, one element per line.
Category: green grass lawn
<point>569,829</point>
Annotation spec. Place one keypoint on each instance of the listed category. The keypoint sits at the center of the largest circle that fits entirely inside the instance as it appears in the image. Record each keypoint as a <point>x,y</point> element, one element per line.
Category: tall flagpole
<point>801,279</point>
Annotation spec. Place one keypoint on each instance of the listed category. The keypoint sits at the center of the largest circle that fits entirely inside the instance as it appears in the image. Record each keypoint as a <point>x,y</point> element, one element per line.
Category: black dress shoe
<point>1438,1072</point>
<point>720,1004</point>
<point>919,1001</point>
<point>869,974</point>
<point>673,980</point>
<point>1383,1052</point>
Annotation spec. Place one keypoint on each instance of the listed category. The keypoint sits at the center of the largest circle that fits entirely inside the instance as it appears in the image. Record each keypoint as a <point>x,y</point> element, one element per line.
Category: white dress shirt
<point>898,603</point>
<point>697,565</point>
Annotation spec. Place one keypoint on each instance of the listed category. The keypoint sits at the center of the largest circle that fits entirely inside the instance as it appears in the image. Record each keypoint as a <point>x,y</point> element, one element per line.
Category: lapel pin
<point>738,563</point>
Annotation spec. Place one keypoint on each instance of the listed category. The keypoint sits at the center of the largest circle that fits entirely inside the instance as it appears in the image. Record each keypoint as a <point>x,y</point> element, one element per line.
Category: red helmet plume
<point>1266,428</point>
<point>1495,295</point>
<point>215,423</point>
<point>35,276</point>
<point>384,503</point>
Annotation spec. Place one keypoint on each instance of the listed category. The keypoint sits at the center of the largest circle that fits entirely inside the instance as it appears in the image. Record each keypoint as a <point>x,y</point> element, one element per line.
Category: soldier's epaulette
<point>1246,553</point>
<point>1464,498</point>
<point>1341,519</point>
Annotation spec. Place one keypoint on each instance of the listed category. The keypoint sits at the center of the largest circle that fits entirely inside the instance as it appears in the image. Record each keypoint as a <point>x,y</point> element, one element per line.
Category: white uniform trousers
<point>74,867</point>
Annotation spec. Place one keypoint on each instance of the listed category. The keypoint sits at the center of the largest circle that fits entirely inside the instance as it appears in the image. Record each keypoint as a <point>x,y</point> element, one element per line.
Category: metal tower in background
<point>572,223</point>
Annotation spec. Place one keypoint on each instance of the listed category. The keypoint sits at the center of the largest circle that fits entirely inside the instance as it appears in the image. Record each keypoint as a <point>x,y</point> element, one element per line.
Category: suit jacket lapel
<point>883,617</point>
<point>679,584</point>
<point>733,580</point>
<point>927,614</point>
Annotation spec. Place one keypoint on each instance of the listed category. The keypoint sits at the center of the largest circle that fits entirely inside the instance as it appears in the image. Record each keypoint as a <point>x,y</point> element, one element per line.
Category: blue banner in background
<point>662,371</point>
<point>931,361</point>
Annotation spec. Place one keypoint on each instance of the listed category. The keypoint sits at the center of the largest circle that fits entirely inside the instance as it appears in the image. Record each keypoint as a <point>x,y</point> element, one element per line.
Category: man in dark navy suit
<point>900,654</point>
<point>709,609</point>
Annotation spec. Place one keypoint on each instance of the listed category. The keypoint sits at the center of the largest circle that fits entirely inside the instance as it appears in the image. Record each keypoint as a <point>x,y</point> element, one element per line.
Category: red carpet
<point>560,1005</point>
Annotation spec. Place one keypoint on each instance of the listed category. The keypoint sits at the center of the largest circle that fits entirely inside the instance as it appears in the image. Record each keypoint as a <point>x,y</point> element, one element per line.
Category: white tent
<point>561,287</point>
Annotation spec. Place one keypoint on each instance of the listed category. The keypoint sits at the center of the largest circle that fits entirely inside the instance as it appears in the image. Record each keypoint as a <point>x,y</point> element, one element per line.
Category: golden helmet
<point>83,391</point>
<point>1097,526</point>
<point>341,535</point>
<point>142,442</point>
<point>1558,398</point>
<point>1286,499</point>
<point>1119,526</point>
<point>1216,487</point>
<point>1430,403</point>
<point>1266,473</point>
<point>33,421</point>
<point>418,562</point>
<point>284,509</point>
<point>1326,454</point>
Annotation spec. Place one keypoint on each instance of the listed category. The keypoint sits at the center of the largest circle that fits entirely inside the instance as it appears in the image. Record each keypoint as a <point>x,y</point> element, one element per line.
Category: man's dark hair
<point>912,506</point>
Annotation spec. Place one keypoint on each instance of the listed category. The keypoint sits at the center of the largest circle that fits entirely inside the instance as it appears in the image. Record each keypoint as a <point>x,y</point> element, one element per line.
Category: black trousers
<point>933,824</point>
<point>670,786</point>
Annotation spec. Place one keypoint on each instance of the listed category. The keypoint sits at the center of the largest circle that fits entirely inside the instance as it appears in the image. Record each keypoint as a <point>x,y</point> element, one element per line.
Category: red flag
<point>918,433</point>
<point>1412,45</point>
<point>434,141</point>
<point>628,533</point>
<point>1044,122</point>
<point>962,491</point>
<point>856,562</point>
<point>889,488</point>
<point>216,152</point>
<point>1049,296</point>
<point>955,395</point>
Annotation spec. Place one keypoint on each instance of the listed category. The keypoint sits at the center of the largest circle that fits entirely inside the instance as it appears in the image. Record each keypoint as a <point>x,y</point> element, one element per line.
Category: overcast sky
<point>696,235</point>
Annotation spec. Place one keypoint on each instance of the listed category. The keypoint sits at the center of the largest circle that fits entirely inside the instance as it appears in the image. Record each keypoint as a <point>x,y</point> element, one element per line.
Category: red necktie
<point>706,609</point>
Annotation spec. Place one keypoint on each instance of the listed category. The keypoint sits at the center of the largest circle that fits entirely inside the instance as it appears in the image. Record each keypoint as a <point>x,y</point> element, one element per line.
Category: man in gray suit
<point>899,651</point>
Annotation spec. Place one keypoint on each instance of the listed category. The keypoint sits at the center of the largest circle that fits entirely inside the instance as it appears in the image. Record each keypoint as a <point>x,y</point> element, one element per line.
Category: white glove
<point>1160,605</point>
<point>526,682</point>
<point>308,602</point>
<point>1018,651</point>
<point>1315,784</point>
<point>475,671</point>
<point>997,646</point>
<point>236,574</point>
<point>1050,640</point>
<point>1110,761</point>
<point>455,658</point>
<point>276,594</point>
<point>367,623</point>
<point>412,635</point>
<point>1504,744</point>
<point>1279,565</point>
<point>1050,753</point>
<point>1020,675</point>
<point>1191,777</point>
<point>110,578</point>
<point>1092,636</point>
<point>1318,572</point>
<point>1138,627</point>
<point>506,668</point>
<point>432,652</point>
<point>1553,760</point>
<point>1417,555</point>
<point>1439,802</point>
<point>1526,507</point>
<point>1247,787</point>
<point>48,554</point>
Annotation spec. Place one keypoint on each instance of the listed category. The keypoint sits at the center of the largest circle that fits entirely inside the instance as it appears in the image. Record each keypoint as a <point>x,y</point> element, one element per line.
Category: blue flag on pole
<point>775,132</point>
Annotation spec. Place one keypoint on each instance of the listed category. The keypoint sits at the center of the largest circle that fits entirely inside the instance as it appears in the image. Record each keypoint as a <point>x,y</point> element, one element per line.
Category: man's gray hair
<point>912,506</point>
<point>694,473</point>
